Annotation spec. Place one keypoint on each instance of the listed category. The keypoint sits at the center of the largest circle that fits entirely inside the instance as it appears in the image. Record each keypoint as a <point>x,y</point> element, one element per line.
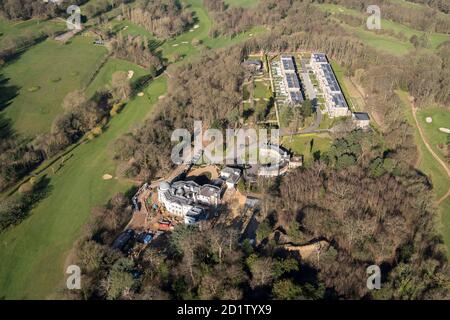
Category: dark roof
<point>339,100</point>
<point>292,81</point>
<point>330,78</point>
<point>361,116</point>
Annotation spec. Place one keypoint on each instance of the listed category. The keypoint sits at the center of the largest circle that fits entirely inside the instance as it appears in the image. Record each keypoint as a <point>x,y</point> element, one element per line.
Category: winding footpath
<point>435,156</point>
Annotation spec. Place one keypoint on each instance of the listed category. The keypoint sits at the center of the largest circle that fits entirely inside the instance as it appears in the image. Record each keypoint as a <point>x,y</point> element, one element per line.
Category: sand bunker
<point>429,120</point>
<point>175,45</point>
<point>140,94</point>
<point>161,97</point>
<point>445,130</point>
<point>130,74</point>
<point>107,177</point>
<point>196,26</point>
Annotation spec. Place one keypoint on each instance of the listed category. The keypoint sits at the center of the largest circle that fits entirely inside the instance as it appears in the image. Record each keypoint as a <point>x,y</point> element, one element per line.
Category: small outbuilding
<point>231,176</point>
<point>361,120</point>
<point>253,65</point>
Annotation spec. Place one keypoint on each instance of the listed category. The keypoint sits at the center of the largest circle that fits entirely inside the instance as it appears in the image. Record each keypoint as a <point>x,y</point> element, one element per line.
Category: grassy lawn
<point>307,145</point>
<point>441,119</point>
<point>434,171</point>
<point>127,27</point>
<point>44,75</point>
<point>113,65</point>
<point>383,42</point>
<point>261,90</point>
<point>242,3</point>
<point>32,255</point>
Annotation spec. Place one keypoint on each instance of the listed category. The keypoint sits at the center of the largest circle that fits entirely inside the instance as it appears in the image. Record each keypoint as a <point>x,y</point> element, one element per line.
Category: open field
<point>32,254</point>
<point>383,41</point>
<point>441,119</point>
<point>307,145</point>
<point>436,173</point>
<point>44,75</point>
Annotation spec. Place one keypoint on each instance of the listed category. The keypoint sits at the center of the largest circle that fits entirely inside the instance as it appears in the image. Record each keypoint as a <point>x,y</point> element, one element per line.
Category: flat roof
<point>292,81</point>
<point>319,57</point>
<point>361,116</point>
<point>330,77</point>
<point>339,100</point>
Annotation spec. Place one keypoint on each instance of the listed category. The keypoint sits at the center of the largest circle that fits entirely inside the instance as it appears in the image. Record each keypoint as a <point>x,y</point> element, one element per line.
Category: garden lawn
<point>307,145</point>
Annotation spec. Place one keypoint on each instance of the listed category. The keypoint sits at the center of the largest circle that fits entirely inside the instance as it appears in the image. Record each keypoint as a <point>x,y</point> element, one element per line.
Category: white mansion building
<point>187,199</point>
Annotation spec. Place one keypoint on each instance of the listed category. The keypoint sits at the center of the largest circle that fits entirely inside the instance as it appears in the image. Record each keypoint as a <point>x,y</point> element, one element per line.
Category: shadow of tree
<point>17,208</point>
<point>7,92</point>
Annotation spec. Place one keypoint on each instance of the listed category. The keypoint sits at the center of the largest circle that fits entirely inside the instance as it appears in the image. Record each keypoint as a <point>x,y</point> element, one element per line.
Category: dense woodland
<point>27,9</point>
<point>165,19</point>
<point>228,21</point>
<point>136,50</point>
<point>363,197</point>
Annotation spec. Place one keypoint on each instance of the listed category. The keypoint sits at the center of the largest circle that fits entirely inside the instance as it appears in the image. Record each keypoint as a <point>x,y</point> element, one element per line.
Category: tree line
<point>27,9</point>
<point>136,50</point>
<point>164,19</point>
